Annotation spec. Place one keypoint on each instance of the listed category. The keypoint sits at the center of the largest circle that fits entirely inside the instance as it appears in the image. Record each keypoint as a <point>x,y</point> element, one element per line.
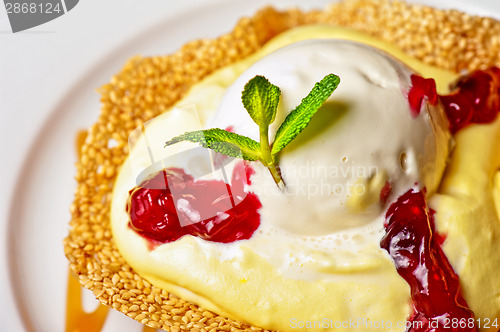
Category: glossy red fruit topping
<point>422,90</point>
<point>419,259</point>
<point>475,98</point>
<point>172,204</point>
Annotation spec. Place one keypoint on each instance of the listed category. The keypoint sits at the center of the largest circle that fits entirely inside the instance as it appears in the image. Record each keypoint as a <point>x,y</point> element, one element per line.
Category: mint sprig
<point>260,98</point>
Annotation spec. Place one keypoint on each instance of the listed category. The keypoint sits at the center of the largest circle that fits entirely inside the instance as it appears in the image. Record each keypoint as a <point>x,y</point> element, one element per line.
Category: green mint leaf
<point>222,141</point>
<point>299,118</point>
<point>260,98</point>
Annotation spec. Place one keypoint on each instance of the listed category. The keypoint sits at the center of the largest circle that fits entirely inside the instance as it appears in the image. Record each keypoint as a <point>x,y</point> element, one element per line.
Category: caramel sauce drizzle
<point>77,320</point>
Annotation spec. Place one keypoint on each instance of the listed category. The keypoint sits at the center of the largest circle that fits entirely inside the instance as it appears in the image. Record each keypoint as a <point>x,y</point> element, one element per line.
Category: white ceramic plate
<point>38,214</point>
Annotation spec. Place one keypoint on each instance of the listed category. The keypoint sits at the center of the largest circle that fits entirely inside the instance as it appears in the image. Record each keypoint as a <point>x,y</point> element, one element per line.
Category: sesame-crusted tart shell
<point>148,86</point>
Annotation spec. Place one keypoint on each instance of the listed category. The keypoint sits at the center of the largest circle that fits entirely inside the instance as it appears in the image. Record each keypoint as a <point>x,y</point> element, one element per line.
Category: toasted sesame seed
<point>126,296</point>
<point>115,279</point>
<point>148,86</point>
<point>154,324</point>
<point>140,317</point>
<point>208,314</point>
<point>133,307</point>
<point>177,311</point>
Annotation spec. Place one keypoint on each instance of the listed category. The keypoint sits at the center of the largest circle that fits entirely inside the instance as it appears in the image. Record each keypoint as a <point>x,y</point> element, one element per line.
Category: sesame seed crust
<point>149,86</point>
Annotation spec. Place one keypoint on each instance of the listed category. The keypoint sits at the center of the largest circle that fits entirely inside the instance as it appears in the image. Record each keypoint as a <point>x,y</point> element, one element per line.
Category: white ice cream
<point>362,137</point>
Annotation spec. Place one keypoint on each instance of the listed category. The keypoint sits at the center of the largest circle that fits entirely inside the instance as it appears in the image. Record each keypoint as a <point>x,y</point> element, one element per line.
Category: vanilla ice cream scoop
<point>363,148</point>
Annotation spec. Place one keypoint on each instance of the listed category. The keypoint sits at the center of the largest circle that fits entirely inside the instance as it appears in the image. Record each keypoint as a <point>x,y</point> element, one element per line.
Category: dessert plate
<point>39,210</point>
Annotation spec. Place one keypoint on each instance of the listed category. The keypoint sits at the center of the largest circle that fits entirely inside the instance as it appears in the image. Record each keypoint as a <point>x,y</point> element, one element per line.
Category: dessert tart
<point>102,252</point>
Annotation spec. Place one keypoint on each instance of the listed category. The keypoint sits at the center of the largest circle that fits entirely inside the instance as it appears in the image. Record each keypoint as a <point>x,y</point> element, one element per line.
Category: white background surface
<point>40,66</point>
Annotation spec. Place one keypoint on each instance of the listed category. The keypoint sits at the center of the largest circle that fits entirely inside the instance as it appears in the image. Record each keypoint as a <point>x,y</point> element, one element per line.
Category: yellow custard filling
<point>368,290</point>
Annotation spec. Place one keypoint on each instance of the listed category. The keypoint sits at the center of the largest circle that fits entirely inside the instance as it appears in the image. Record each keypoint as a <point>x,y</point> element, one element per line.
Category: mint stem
<point>275,172</point>
<point>267,158</point>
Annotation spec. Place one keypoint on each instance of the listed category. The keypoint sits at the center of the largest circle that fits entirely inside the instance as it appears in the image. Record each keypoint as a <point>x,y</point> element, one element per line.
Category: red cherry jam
<point>475,98</point>
<point>419,259</point>
<point>172,204</point>
<point>422,89</point>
